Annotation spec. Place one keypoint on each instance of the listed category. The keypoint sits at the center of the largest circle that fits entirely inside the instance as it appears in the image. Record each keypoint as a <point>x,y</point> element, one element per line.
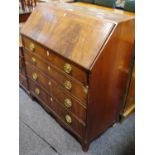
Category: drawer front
<point>37,91</point>
<point>56,91</point>
<point>68,102</point>
<point>36,76</point>
<point>23,81</point>
<point>45,81</point>
<point>22,66</point>
<point>65,116</point>
<point>66,66</point>
<point>77,88</point>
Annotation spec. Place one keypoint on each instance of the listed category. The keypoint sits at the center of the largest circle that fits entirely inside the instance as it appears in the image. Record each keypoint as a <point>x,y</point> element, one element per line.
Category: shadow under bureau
<point>79,64</point>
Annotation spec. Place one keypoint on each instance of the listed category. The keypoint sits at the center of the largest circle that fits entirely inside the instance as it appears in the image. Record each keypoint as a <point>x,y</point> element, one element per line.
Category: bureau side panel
<point>22,71</point>
<point>108,79</point>
<point>129,106</point>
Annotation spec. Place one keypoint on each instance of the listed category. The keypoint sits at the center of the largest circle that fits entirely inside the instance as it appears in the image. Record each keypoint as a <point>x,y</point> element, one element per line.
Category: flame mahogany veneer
<point>79,61</point>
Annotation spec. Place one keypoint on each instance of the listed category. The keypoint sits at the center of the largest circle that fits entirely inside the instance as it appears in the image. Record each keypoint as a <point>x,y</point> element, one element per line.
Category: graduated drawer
<point>61,113</point>
<point>21,66</point>
<point>68,118</point>
<point>77,88</point>
<point>23,81</point>
<point>65,65</point>
<point>68,102</point>
<point>56,91</point>
<point>37,91</point>
<point>36,76</point>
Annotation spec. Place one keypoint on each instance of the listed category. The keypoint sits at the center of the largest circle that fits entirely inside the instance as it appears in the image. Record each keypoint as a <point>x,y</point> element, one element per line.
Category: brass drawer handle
<point>68,85</point>
<point>33,60</point>
<point>67,103</point>
<point>34,76</point>
<point>37,91</point>
<point>32,47</point>
<point>67,68</point>
<point>68,119</point>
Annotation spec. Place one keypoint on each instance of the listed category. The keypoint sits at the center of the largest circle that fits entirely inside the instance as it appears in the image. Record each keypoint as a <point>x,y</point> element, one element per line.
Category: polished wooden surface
<point>53,105</point>
<point>80,42</point>
<point>76,90</point>
<point>22,71</point>
<point>130,100</point>
<point>50,57</point>
<point>110,76</point>
<point>23,82</point>
<point>78,108</point>
<point>87,95</point>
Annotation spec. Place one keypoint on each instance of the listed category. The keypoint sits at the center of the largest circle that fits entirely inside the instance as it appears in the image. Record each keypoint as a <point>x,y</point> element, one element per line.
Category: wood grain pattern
<point>77,107</point>
<point>53,106</point>
<point>76,90</point>
<point>109,79</point>
<point>53,72</point>
<point>98,44</point>
<point>74,36</point>
<point>41,52</point>
<point>57,93</point>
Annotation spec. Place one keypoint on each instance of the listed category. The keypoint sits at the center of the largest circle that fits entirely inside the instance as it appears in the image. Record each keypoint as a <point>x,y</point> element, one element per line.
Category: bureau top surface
<point>70,31</point>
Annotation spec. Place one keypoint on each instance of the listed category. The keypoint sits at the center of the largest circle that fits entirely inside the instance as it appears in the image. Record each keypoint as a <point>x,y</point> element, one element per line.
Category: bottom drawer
<point>23,81</point>
<point>67,118</point>
<point>57,109</point>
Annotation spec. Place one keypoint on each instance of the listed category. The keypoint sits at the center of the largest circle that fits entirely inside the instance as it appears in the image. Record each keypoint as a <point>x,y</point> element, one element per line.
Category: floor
<point>40,134</point>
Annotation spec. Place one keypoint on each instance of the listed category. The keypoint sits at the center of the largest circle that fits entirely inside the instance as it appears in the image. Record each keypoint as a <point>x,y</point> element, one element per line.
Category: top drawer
<point>68,67</point>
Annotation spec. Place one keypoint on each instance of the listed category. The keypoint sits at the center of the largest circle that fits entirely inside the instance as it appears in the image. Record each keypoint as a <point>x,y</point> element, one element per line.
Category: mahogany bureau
<point>78,63</point>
